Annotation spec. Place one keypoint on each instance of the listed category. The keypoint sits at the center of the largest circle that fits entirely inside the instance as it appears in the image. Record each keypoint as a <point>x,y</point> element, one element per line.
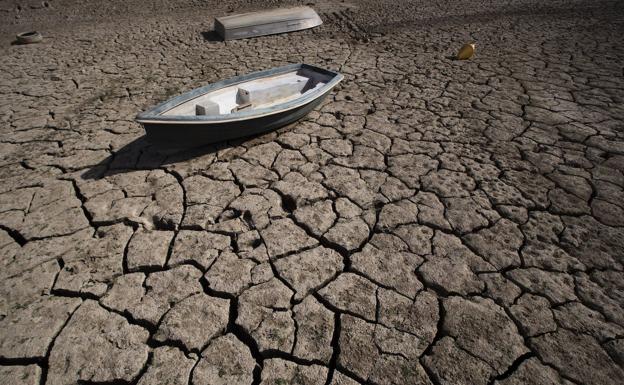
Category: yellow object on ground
<point>466,51</point>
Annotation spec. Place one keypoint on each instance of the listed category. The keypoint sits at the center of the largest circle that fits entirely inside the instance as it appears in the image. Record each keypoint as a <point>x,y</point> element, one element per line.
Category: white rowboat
<point>238,107</point>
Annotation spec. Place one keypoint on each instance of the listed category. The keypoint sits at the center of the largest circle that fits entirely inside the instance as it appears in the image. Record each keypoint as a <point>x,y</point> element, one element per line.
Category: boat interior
<point>254,94</point>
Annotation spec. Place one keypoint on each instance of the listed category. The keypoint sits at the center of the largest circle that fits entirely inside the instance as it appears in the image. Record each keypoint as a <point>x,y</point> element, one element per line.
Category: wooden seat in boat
<point>270,94</point>
<point>207,108</point>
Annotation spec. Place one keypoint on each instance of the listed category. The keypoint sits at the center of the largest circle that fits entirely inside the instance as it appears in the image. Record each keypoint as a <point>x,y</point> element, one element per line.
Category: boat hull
<point>266,22</point>
<point>164,125</point>
<point>181,134</point>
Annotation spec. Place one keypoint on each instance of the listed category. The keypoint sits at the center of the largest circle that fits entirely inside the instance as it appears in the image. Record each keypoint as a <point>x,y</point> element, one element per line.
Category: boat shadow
<point>142,155</point>
<point>211,36</point>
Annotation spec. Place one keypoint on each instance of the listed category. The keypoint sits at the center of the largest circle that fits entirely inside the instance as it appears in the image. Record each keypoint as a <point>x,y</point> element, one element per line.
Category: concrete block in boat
<point>266,22</point>
<point>238,107</point>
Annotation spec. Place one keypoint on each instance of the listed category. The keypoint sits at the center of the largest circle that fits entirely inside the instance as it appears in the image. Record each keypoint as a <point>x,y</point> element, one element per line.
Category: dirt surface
<point>433,222</point>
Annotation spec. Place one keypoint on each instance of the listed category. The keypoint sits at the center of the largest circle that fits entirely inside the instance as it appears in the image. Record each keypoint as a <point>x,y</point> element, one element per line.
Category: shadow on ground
<point>211,36</point>
<point>140,154</point>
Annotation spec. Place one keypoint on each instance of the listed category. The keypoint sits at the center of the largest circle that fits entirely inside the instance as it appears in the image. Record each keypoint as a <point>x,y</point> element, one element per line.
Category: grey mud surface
<point>434,222</point>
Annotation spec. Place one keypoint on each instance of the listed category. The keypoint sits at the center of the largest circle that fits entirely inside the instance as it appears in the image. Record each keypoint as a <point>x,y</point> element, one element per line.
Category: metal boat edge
<point>268,22</point>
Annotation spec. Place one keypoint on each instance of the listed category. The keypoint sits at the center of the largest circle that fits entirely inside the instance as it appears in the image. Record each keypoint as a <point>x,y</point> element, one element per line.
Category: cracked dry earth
<point>434,222</point>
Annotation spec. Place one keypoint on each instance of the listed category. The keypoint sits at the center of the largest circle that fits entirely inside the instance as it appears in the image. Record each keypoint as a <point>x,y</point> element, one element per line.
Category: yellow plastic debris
<point>466,51</point>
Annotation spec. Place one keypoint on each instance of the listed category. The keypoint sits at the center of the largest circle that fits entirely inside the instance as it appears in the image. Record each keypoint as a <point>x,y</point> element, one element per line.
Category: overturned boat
<point>238,107</point>
<point>266,22</point>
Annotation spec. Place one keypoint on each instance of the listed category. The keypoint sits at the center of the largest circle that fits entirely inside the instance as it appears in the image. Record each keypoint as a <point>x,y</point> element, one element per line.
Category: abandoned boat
<point>238,107</point>
<point>266,22</point>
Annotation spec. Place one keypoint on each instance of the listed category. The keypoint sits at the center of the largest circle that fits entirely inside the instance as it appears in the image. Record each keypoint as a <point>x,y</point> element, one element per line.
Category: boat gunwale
<point>314,16</point>
<point>154,115</point>
<point>317,20</point>
<point>266,11</point>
